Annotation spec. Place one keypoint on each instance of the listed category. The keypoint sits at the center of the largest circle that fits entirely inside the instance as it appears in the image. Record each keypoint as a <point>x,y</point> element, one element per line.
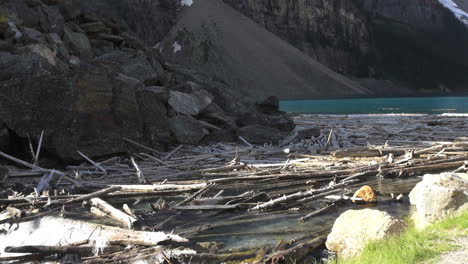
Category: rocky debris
<point>256,134</point>
<point>438,196</point>
<point>366,194</point>
<point>354,228</point>
<point>87,74</point>
<point>187,130</point>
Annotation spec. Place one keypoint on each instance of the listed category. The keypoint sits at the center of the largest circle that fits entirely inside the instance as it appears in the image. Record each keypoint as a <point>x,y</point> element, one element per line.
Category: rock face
<point>438,196</point>
<point>377,39</point>
<point>213,38</point>
<point>354,228</point>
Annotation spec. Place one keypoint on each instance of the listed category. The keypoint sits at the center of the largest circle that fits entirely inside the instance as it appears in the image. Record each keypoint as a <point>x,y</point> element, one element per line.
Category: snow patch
<point>460,14</point>
<point>177,47</point>
<point>186,2</point>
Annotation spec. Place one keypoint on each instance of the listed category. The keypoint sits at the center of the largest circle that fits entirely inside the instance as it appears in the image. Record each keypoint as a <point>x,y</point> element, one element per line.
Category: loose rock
<point>354,228</point>
<point>438,196</point>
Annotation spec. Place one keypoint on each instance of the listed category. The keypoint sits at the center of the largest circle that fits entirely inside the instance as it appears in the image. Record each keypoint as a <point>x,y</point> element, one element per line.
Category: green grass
<point>414,245</point>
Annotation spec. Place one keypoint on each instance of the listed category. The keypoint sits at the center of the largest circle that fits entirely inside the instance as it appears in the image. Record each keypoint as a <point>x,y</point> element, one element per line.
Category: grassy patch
<point>414,245</point>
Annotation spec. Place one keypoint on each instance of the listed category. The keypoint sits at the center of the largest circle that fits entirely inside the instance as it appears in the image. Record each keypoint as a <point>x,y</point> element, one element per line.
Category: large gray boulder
<point>353,229</point>
<point>190,104</point>
<point>132,63</point>
<point>78,43</point>
<point>153,109</point>
<point>187,130</point>
<point>438,196</point>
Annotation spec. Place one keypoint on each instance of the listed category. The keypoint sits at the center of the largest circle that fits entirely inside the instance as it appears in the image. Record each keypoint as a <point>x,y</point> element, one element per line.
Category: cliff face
<point>334,32</point>
<point>406,41</point>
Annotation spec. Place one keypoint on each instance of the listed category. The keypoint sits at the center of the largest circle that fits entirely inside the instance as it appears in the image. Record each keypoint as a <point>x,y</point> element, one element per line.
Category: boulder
<point>78,43</point>
<point>94,27</point>
<point>215,115</point>
<point>366,193</point>
<point>187,130</point>
<point>43,51</point>
<point>52,20</point>
<point>153,110</point>
<point>353,229</point>
<point>124,106</point>
<point>31,35</point>
<point>190,104</point>
<point>13,31</point>
<point>58,46</point>
<point>269,106</point>
<point>131,63</point>
<point>438,196</point>
<point>256,134</point>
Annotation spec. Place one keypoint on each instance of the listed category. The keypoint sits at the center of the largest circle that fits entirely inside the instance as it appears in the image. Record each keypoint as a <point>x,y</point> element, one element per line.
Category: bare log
<point>114,212</point>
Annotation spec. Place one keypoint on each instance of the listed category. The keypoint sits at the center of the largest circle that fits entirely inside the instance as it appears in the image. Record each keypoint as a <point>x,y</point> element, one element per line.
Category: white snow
<point>186,2</point>
<point>177,47</point>
<point>460,14</point>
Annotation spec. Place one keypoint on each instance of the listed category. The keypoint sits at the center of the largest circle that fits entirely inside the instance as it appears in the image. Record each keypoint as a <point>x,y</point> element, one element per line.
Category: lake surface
<point>416,105</point>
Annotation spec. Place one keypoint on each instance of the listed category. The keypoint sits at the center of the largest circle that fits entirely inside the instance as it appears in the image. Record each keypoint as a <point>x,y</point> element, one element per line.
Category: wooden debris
<point>205,190</point>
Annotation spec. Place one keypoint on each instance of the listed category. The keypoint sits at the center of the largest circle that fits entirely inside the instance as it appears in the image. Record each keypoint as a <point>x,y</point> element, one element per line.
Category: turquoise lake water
<point>418,105</point>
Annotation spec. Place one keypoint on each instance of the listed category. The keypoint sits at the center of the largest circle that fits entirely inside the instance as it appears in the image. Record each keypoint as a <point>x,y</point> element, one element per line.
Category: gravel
<point>459,256</point>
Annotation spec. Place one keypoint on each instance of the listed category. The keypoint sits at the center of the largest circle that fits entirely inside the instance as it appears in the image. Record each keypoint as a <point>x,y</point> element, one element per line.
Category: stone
<point>269,105</point>
<point>31,35</point>
<point>366,193</point>
<point>353,229</point>
<point>94,27</point>
<point>44,51</point>
<point>125,107</point>
<point>58,46</point>
<point>74,61</point>
<point>256,134</point>
<point>307,133</point>
<point>52,21</point>
<point>187,130</point>
<point>217,116</point>
<point>153,110</point>
<point>190,104</point>
<point>14,31</point>
<point>438,196</point>
<point>133,64</point>
<point>78,43</point>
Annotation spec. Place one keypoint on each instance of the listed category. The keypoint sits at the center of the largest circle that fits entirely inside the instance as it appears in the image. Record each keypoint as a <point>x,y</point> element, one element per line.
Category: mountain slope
<point>418,44</point>
<point>220,42</point>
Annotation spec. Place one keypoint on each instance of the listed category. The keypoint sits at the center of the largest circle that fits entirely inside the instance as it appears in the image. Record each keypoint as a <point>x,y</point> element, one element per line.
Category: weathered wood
<point>114,212</point>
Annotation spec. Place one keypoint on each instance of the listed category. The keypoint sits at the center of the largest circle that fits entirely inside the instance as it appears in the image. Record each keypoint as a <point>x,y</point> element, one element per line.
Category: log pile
<point>168,206</point>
